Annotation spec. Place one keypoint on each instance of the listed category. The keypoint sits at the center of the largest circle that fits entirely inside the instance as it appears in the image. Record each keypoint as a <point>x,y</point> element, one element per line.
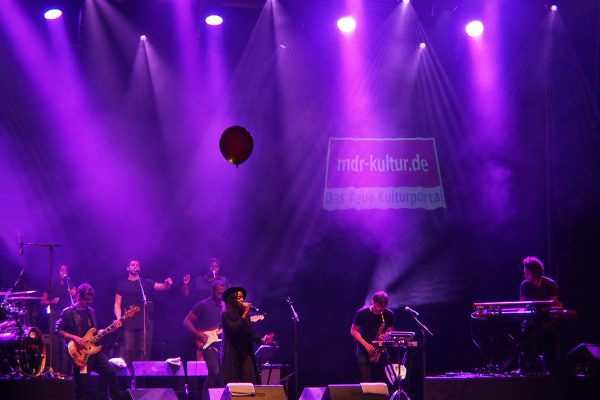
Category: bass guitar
<point>215,335</point>
<point>81,356</point>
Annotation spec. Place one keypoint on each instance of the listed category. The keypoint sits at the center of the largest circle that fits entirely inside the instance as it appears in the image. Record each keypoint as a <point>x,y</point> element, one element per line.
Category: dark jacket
<point>70,321</point>
<point>238,363</point>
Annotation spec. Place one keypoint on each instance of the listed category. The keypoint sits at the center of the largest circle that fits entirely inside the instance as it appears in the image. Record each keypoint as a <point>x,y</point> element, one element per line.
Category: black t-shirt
<point>200,286</point>
<point>208,313</point>
<point>369,322</point>
<point>86,320</point>
<point>131,294</point>
<point>547,289</point>
<point>60,289</point>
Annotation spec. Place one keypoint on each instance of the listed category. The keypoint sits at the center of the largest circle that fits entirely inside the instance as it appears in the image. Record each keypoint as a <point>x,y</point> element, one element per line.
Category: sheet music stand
<point>264,353</point>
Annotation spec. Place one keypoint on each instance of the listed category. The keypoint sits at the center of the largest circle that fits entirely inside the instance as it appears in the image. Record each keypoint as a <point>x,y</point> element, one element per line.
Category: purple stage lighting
<point>346,24</point>
<point>405,1</point>
<point>214,20</point>
<point>474,29</point>
<point>53,13</point>
<point>143,38</point>
<point>554,7</point>
<point>422,46</point>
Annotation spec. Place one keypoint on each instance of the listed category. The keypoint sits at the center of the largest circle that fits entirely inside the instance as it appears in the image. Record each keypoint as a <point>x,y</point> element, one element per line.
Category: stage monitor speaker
<point>242,391</point>
<point>158,374</point>
<point>123,378</point>
<point>152,394</point>
<point>215,393</point>
<point>313,393</point>
<point>366,391</point>
<point>196,375</point>
<point>584,359</point>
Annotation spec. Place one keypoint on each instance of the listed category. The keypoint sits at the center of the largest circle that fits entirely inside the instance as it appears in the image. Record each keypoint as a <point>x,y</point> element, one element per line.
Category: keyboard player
<point>538,339</point>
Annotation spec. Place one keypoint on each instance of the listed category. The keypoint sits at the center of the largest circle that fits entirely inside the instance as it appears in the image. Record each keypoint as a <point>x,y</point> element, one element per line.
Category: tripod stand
<point>51,247</point>
<point>296,320</point>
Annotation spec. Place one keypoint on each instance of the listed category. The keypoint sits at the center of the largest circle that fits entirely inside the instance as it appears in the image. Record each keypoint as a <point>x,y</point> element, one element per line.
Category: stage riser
<point>36,389</point>
<point>514,388</point>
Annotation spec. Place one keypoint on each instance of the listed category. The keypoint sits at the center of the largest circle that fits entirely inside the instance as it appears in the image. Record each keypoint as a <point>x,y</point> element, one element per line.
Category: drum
<point>22,350</point>
<point>3,312</point>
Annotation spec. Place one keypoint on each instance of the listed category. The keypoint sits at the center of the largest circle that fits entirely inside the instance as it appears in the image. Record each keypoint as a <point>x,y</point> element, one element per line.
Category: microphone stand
<point>145,303</point>
<point>51,247</point>
<point>296,369</point>
<point>68,281</point>
<point>424,333</point>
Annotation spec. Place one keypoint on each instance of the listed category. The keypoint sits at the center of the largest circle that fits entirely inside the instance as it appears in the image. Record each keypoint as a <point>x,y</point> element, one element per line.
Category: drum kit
<point>22,348</point>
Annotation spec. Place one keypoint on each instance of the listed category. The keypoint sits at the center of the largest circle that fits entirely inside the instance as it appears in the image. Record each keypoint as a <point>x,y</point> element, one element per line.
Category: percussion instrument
<point>22,350</point>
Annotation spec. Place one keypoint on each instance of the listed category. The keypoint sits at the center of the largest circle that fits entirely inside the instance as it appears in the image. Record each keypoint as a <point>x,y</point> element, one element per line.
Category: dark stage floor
<point>466,386</point>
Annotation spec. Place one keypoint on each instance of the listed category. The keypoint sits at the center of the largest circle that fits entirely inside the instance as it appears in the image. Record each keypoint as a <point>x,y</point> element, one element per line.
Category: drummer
<point>62,295</point>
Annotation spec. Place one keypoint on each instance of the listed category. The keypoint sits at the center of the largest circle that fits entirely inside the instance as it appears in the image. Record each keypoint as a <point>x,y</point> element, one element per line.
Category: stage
<point>467,386</point>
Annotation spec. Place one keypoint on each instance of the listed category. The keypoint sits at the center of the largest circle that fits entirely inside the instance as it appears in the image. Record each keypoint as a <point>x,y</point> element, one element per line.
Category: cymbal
<point>21,298</point>
<point>17,293</point>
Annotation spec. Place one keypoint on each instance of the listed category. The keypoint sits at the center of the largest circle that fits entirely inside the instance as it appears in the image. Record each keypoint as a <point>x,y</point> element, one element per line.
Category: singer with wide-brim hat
<point>238,363</point>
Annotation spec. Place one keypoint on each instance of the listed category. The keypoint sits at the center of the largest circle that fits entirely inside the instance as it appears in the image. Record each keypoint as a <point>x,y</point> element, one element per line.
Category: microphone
<point>254,309</point>
<point>411,311</point>
<point>21,250</point>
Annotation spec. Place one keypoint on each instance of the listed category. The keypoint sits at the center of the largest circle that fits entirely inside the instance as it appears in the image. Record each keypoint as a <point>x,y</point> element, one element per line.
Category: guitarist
<point>370,322</point>
<point>206,316</point>
<point>72,325</point>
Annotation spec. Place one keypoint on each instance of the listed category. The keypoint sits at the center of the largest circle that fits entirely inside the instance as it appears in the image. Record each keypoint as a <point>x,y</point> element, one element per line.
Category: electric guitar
<point>80,356</point>
<point>214,335</point>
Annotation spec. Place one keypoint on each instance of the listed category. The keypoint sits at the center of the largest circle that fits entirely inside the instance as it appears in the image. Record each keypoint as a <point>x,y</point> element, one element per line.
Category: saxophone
<point>376,355</point>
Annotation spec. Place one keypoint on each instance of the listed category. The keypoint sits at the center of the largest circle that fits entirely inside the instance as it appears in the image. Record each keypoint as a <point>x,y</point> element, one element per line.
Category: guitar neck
<point>107,330</point>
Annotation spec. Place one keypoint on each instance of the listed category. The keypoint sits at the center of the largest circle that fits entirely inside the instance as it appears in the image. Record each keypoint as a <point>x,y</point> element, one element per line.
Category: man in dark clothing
<point>369,324</point>
<point>539,334</point>
<point>203,323</point>
<point>72,325</point>
<point>137,331</point>
<point>238,363</point>
<point>201,286</point>
<point>536,286</point>
<point>62,295</point>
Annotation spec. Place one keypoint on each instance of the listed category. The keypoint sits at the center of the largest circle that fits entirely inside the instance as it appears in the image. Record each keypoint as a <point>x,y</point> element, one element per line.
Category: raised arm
<point>185,286</point>
<point>166,285</point>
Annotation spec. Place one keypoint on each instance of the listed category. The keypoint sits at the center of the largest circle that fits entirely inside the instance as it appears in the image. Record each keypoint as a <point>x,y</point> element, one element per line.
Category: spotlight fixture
<point>214,20</point>
<point>474,29</point>
<point>554,7</point>
<point>346,24</point>
<point>422,46</point>
<point>143,38</point>
<point>53,13</point>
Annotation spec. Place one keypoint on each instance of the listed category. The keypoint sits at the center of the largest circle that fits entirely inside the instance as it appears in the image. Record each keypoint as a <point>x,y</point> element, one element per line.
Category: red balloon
<point>236,144</point>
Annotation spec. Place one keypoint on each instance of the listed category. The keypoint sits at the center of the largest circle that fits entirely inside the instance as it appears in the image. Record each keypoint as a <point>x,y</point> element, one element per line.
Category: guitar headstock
<point>130,312</point>
<point>257,317</point>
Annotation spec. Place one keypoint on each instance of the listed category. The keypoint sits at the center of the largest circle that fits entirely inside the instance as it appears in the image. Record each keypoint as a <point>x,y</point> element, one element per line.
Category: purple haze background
<point>109,146</point>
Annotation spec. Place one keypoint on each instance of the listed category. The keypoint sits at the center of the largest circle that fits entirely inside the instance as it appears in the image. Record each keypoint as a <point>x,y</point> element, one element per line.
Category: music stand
<point>264,353</point>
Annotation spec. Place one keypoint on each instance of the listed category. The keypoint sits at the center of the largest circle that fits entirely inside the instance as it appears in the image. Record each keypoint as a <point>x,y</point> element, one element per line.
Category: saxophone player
<point>371,323</point>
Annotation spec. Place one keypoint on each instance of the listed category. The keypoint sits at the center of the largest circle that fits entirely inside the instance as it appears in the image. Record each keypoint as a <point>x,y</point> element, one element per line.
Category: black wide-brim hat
<point>232,290</point>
